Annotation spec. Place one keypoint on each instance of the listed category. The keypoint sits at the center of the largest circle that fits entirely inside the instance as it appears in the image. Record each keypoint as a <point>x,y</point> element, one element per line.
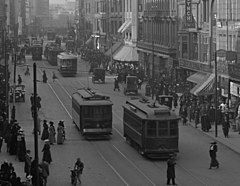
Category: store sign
<point>188,11</point>
<point>193,65</point>
<point>234,89</point>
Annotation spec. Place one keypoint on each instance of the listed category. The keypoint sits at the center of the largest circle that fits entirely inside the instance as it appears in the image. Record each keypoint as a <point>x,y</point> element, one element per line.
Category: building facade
<point>195,46</point>
<point>157,38</point>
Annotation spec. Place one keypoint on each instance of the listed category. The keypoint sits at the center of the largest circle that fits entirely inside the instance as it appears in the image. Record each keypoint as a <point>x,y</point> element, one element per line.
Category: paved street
<point>114,162</point>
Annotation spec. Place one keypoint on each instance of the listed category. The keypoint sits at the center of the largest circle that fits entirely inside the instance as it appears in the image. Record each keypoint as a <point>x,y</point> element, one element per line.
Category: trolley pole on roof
<point>35,121</point>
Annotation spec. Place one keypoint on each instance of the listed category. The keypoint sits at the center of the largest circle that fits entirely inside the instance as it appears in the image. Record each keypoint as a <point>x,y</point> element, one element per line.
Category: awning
<point>126,54</point>
<point>155,53</point>
<point>122,26</point>
<point>115,48</point>
<point>203,86</point>
<point>128,25</point>
<point>209,89</point>
<point>198,77</point>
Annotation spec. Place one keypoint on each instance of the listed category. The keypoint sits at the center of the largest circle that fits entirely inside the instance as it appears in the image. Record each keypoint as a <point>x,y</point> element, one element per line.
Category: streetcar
<point>52,53</point>
<point>51,35</point>
<point>67,64</point>
<point>92,113</point>
<point>151,128</point>
<point>37,51</point>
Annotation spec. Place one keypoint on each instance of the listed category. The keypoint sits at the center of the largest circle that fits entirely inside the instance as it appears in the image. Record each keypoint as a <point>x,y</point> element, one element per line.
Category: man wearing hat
<point>213,155</point>
<point>171,170</point>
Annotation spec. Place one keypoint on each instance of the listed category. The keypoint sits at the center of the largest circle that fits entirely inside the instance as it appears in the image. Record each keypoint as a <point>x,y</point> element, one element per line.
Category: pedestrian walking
<point>52,133</point>
<point>225,125</point>
<point>116,85</point>
<point>27,165</point>
<point>45,171</point>
<point>45,133</point>
<point>44,77</point>
<point>60,134</point>
<point>19,79</point>
<point>46,152</point>
<point>171,170</point>
<point>54,77</point>
<point>213,155</point>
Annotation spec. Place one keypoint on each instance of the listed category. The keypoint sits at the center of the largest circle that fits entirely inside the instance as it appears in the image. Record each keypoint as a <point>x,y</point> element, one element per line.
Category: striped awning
<point>204,87</point>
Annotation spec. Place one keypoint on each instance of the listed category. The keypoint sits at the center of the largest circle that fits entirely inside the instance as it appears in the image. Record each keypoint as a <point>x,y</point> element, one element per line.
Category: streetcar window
<point>132,121</point>
<point>163,128</point>
<point>97,112</point>
<point>151,129</point>
<point>174,128</point>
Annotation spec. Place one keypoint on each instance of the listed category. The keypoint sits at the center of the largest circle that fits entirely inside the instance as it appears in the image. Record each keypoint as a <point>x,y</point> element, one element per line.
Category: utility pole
<point>14,87</point>
<point>35,121</point>
<point>153,75</point>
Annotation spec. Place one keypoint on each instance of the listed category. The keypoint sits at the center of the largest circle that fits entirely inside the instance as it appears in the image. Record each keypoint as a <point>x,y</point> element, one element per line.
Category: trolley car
<point>52,54</point>
<point>151,128</point>
<point>67,64</point>
<point>92,113</point>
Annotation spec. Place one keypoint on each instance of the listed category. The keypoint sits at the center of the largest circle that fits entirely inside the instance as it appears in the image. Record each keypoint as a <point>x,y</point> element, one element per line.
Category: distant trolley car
<point>37,51</point>
<point>92,113</point>
<point>151,128</point>
<point>53,52</point>
<point>67,64</point>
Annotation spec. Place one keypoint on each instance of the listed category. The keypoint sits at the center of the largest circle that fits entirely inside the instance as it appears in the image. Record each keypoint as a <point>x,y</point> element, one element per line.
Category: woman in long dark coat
<point>60,134</point>
<point>52,133</point>
<point>45,133</point>
<point>46,152</point>
<point>21,146</point>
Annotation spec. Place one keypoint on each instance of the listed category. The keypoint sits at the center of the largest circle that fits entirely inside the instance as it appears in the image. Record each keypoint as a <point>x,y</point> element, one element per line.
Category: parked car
<point>19,93</point>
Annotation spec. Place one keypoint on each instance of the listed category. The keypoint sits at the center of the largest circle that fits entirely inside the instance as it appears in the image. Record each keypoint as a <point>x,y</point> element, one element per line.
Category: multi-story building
<point>114,21</point>
<point>196,43</point>
<point>228,37</point>
<point>157,37</point>
<point>128,53</point>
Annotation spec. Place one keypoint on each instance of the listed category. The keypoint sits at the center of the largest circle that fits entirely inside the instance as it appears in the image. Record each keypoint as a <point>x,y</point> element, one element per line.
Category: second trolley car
<point>92,113</point>
<point>67,64</point>
<point>151,128</point>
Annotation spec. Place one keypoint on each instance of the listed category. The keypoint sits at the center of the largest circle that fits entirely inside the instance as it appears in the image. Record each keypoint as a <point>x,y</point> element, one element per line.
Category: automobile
<point>98,75</point>
<point>19,93</point>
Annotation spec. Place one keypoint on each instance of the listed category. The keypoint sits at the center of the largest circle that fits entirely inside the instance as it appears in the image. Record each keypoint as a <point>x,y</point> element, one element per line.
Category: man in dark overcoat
<point>171,170</point>
<point>213,155</point>
<point>27,165</point>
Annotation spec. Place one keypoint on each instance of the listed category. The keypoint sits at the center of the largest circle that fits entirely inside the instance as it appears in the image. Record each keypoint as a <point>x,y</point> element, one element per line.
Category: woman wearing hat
<point>45,133</point>
<point>60,134</point>
<point>213,155</point>
<point>52,133</point>
<point>46,152</point>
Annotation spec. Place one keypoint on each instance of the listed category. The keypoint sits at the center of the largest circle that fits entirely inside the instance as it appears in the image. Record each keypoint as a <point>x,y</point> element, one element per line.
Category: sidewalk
<point>232,142</point>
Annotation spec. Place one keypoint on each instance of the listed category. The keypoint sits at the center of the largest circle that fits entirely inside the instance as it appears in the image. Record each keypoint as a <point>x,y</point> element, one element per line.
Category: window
<point>174,128</point>
<point>132,121</point>
<point>151,129</point>
<point>163,128</point>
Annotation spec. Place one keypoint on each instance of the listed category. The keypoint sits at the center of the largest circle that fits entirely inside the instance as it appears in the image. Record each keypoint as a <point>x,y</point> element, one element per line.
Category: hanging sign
<point>188,11</point>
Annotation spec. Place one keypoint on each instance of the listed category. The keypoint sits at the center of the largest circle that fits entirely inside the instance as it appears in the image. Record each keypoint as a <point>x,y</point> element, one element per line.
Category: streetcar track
<point>122,154</point>
<point>115,171</point>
